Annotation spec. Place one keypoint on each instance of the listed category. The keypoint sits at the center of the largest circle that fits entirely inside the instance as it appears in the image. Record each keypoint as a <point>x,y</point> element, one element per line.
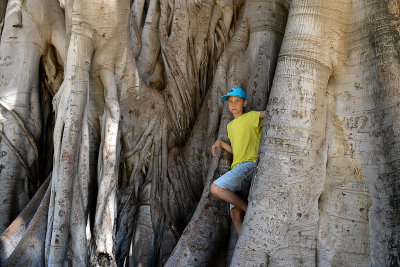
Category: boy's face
<point>236,105</point>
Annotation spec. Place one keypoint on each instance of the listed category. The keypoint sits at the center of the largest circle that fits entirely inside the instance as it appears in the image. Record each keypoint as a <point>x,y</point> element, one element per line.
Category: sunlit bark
<point>324,152</point>
<point>139,106</point>
<point>21,49</point>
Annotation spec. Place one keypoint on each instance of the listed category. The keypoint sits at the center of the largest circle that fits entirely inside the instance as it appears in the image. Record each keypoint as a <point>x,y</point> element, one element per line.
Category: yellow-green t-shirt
<point>244,133</point>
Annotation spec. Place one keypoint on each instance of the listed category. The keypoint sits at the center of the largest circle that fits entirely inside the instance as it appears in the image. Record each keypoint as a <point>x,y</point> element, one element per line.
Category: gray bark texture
<point>109,108</point>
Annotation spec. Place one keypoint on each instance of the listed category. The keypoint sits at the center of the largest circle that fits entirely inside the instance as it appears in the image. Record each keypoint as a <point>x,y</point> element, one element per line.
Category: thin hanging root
<point>151,46</point>
<point>59,108</point>
<point>28,134</point>
<point>137,37</point>
<point>14,13</point>
<point>167,210</point>
<point>180,92</point>
<point>21,123</point>
<point>19,157</point>
<point>155,201</point>
<point>109,163</point>
<point>137,11</point>
<point>130,204</point>
<point>195,73</point>
<point>171,15</point>
<point>80,199</point>
<point>164,176</point>
<point>142,139</point>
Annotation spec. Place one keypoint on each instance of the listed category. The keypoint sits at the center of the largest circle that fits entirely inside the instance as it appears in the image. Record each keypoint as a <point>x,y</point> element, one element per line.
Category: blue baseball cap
<point>236,91</point>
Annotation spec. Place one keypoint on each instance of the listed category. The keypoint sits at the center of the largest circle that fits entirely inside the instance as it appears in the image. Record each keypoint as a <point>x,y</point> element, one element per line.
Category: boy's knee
<point>215,189</point>
<point>236,214</point>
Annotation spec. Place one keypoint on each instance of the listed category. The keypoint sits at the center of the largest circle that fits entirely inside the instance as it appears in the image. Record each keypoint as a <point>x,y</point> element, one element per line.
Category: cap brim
<point>225,98</point>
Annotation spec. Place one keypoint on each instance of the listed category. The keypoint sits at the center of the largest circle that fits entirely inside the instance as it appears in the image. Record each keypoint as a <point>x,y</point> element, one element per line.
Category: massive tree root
<point>325,154</point>
<point>13,235</point>
<point>139,109</point>
<point>149,181</point>
<point>158,214</point>
<point>23,50</point>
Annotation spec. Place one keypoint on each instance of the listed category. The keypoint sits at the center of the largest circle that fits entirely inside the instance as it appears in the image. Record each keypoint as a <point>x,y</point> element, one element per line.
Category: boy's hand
<point>220,144</point>
<point>214,147</point>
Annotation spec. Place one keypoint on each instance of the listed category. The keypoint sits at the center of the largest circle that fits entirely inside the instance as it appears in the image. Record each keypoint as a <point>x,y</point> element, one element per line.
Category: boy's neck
<point>235,116</point>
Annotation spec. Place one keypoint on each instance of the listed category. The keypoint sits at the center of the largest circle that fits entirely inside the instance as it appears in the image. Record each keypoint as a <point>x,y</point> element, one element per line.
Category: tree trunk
<point>139,107</point>
<point>322,156</point>
<point>21,49</point>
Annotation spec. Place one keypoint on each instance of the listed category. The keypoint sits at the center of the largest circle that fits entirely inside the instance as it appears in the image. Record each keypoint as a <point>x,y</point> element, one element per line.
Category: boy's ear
<point>245,103</point>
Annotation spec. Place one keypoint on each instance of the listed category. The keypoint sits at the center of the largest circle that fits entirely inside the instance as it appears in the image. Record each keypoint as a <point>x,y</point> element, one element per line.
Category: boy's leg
<point>228,196</point>
<point>237,216</point>
<point>234,180</point>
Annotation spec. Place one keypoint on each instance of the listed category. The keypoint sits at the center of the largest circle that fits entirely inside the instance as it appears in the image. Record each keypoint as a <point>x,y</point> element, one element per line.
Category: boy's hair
<point>236,91</point>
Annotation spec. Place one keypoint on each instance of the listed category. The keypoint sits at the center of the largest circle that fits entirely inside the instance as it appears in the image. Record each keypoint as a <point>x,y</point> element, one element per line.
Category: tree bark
<point>316,204</point>
<point>30,249</point>
<point>139,108</point>
<point>20,52</point>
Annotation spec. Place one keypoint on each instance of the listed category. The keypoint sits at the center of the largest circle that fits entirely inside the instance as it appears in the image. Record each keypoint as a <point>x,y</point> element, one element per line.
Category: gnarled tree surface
<point>116,103</point>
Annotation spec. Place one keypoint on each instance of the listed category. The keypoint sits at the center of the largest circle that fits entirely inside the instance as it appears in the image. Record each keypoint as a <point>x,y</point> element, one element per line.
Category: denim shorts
<point>238,179</point>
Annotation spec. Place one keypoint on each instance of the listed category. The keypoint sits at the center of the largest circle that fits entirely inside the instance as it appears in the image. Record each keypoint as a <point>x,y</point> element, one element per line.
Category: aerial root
<point>164,180</point>
<point>109,154</point>
<point>11,237</point>
<point>31,141</point>
<point>68,136</point>
<point>14,13</point>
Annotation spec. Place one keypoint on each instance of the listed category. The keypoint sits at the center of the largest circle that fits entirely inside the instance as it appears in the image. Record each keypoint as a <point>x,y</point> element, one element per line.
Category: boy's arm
<point>262,114</point>
<point>219,144</point>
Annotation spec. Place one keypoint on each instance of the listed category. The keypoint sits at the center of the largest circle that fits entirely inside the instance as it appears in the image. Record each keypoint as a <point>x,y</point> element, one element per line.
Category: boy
<point>244,132</point>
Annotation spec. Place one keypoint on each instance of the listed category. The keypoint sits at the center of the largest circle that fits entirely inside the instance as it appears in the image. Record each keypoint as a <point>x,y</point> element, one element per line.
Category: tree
<point>126,144</point>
